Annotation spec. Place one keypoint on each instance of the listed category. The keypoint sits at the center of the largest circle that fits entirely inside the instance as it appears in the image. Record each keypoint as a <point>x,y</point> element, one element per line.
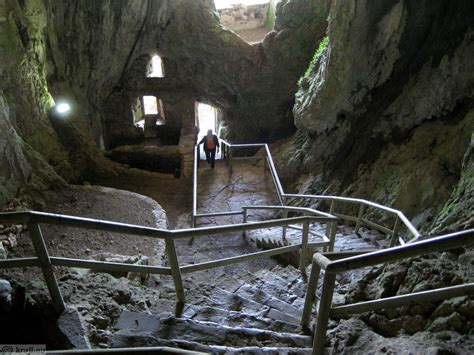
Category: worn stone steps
<point>253,301</point>
<point>140,329</point>
<point>129,339</point>
<point>234,318</point>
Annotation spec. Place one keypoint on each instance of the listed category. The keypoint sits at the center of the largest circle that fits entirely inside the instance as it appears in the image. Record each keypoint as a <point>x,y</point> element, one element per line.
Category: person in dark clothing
<point>211,144</point>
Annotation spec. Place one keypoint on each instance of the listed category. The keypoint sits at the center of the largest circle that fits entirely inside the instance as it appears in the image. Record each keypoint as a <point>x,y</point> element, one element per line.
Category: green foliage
<point>270,20</point>
<point>322,47</point>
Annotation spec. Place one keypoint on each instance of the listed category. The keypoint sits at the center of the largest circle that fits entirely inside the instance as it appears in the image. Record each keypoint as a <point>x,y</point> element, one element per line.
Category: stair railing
<point>399,219</point>
<point>332,268</point>
<point>46,262</point>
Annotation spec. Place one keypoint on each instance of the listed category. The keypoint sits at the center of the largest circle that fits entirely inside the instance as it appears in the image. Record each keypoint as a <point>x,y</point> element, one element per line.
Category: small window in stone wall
<point>155,69</point>
<point>150,105</point>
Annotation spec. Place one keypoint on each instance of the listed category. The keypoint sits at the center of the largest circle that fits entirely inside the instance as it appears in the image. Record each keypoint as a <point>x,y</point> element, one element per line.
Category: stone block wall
<point>240,17</point>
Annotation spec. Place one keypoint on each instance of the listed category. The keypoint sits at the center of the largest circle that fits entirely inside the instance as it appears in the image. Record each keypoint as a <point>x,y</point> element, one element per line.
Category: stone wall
<point>240,17</point>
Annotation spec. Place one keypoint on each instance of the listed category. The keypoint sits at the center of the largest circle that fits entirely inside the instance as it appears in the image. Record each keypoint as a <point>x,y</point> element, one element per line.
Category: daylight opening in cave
<point>222,4</point>
<point>206,119</point>
<point>150,105</point>
<point>156,69</point>
<point>250,19</point>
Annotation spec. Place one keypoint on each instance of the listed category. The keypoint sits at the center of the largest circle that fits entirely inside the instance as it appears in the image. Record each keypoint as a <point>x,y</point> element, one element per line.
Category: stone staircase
<point>254,310</point>
<point>261,315</point>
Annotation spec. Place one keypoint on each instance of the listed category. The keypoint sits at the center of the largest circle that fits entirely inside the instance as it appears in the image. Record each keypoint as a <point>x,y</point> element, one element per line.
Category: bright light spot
<point>150,105</point>
<point>156,67</point>
<point>225,4</point>
<point>207,120</point>
<point>63,108</point>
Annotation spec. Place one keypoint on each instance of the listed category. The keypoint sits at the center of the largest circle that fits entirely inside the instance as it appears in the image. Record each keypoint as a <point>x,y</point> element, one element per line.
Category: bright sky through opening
<point>156,67</point>
<point>222,4</point>
<point>150,105</point>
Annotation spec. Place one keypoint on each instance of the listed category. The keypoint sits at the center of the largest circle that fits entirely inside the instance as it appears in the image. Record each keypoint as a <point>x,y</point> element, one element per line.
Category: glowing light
<point>63,108</point>
<point>156,67</point>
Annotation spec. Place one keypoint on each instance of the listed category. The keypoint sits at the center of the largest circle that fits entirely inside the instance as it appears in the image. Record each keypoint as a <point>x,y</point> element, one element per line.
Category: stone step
<point>283,282</point>
<point>236,319</point>
<point>137,340</point>
<point>220,298</point>
<point>258,295</point>
<point>134,327</point>
<point>251,301</point>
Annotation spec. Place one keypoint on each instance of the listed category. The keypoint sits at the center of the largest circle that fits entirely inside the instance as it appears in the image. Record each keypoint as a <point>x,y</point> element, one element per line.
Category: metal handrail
<point>33,219</point>
<point>325,310</point>
<point>363,204</point>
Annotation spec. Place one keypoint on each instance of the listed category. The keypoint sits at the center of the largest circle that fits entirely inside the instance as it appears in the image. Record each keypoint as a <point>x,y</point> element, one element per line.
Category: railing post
<point>323,313</point>
<point>396,226</point>
<point>332,206</point>
<point>310,294</point>
<point>304,246</point>
<point>46,267</point>
<point>332,234</point>
<point>359,217</point>
<point>283,230</point>
<point>244,221</point>
<point>231,164</point>
<point>175,272</point>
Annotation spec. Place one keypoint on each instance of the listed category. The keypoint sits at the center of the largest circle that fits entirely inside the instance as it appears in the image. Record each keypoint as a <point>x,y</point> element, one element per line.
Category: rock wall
<point>93,53</point>
<point>254,86</point>
<point>387,112</point>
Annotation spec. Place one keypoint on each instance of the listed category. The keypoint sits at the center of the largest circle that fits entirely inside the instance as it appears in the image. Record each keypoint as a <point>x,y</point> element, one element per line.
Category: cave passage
<point>206,119</point>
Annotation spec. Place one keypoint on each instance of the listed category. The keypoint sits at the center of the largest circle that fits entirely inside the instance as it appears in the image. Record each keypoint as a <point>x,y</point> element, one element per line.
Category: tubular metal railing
<point>332,268</point>
<point>319,261</point>
<point>359,259</point>
<point>399,219</point>
<point>46,262</point>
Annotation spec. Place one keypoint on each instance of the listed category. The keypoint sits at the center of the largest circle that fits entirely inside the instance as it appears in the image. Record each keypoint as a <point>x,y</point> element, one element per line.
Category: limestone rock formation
<point>22,170</point>
<point>93,53</point>
<point>386,113</point>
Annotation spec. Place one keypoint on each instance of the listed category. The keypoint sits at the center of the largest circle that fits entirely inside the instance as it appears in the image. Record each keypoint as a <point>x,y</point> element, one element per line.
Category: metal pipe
<point>321,260</point>
<point>283,230</point>
<point>294,209</point>
<point>323,313</point>
<point>310,294</point>
<point>402,300</point>
<point>90,223</point>
<point>46,267</point>
<point>212,230</point>
<point>360,215</point>
<point>402,217</point>
<point>393,240</point>
<point>304,246</point>
<point>377,226</point>
<point>175,272</point>
<point>332,234</point>
<point>195,176</point>
<point>238,259</point>
<point>450,241</point>
<point>19,262</point>
<point>218,214</point>
<point>108,266</point>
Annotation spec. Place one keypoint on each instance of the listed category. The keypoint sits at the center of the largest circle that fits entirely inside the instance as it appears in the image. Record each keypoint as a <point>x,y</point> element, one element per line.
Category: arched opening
<point>155,67</point>
<point>206,118</point>
<point>148,111</point>
<point>150,105</point>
